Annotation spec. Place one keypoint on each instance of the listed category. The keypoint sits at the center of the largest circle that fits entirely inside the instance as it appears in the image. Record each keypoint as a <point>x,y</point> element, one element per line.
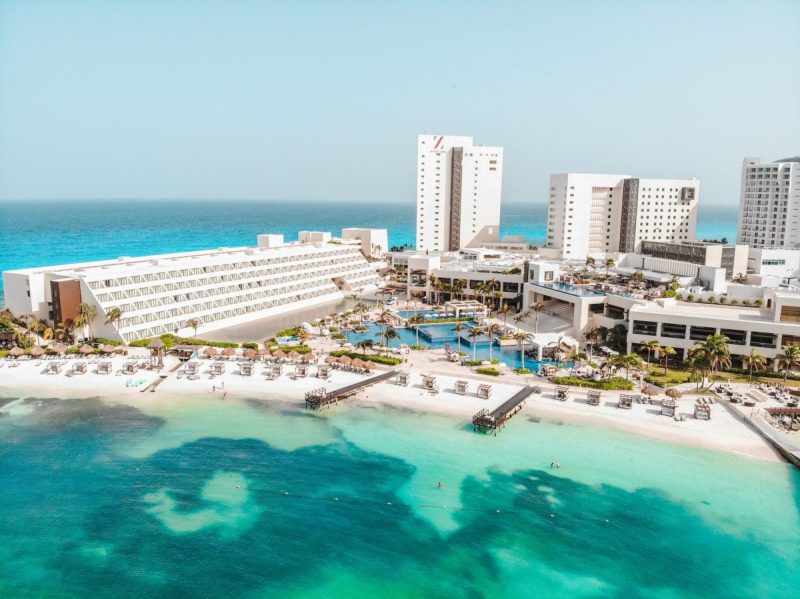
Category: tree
<point>789,359</point>
<point>492,331</point>
<point>113,315</point>
<point>521,337</point>
<point>415,321</point>
<point>594,335</point>
<point>505,311</point>
<point>576,357</point>
<point>590,262</point>
<point>666,353</point>
<point>713,354</point>
<point>434,283</point>
<point>652,347</point>
<point>364,345</point>
<point>535,309</point>
<point>626,361</point>
<point>360,308</point>
<point>473,334</point>
<point>637,277</point>
<point>609,264</point>
<point>87,314</point>
<point>458,327</point>
<point>753,361</point>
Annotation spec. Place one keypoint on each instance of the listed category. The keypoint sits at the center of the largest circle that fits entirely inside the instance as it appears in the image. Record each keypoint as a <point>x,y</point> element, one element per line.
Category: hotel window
<point>701,333</point>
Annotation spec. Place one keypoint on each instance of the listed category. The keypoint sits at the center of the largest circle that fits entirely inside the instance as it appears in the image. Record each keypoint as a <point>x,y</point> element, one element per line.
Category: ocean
<point>37,233</point>
<point>196,497</point>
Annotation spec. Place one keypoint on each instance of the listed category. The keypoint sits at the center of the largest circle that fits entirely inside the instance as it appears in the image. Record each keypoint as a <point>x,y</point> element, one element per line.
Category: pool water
<point>428,314</point>
<point>437,336</point>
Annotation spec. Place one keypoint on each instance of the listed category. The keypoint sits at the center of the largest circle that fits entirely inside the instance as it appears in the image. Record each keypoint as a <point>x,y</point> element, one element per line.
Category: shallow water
<point>195,497</point>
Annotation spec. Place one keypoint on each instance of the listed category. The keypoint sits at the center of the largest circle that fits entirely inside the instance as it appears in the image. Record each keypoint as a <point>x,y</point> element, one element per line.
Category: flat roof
<point>697,310</point>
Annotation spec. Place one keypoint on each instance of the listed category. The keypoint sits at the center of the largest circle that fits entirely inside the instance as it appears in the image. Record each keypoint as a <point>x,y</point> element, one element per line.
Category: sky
<point>323,100</point>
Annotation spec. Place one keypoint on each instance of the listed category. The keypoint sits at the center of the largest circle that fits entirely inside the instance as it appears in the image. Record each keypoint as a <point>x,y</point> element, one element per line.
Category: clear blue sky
<point>323,100</point>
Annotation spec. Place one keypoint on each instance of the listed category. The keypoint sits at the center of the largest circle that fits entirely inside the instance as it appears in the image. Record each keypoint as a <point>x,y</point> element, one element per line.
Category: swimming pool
<point>428,314</point>
<point>437,336</point>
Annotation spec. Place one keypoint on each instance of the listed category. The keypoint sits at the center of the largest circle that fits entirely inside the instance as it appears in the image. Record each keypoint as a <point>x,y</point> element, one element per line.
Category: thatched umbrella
<point>16,352</point>
<point>369,365</point>
<point>279,354</point>
<point>309,358</point>
<point>229,351</point>
<point>650,390</point>
<point>37,351</point>
<point>331,360</point>
<point>109,349</point>
<point>293,355</point>
<point>210,352</point>
<point>345,360</point>
<point>59,348</point>
<point>357,363</point>
<point>86,350</point>
<point>250,353</point>
<point>155,344</point>
<point>674,393</point>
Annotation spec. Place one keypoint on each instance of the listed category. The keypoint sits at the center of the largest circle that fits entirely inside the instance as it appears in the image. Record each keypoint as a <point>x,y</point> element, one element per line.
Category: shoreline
<point>724,433</point>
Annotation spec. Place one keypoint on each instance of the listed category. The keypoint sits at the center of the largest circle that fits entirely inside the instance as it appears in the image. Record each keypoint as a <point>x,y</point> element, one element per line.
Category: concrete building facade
<point>769,207</point>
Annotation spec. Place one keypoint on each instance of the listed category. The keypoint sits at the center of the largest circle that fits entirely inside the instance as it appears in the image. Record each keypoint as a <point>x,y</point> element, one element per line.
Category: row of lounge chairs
<point>431,385</point>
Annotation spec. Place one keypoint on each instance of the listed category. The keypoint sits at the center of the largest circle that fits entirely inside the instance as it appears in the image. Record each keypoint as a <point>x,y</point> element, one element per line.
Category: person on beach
<point>213,388</point>
<point>225,396</point>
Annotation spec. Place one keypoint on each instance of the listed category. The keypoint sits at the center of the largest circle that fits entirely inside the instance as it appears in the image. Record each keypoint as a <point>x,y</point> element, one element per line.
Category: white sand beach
<point>725,431</point>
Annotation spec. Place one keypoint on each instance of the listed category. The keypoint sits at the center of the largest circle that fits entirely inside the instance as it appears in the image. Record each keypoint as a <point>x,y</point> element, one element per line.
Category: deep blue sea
<point>36,233</point>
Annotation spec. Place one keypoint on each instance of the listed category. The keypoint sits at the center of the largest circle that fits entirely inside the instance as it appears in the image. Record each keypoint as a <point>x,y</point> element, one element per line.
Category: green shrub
<point>107,341</point>
<point>446,320</point>
<point>472,362</point>
<point>523,371</point>
<point>171,341</point>
<point>3,353</point>
<point>615,383</point>
<point>300,349</point>
<point>758,303</point>
<point>250,345</point>
<point>711,299</point>
<point>734,302</point>
<point>746,302</point>
<point>690,297</point>
<point>670,293</point>
<point>290,332</point>
<point>417,347</point>
<point>488,370</point>
<point>494,361</point>
<point>387,360</point>
<point>338,336</point>
<point>723,300</point>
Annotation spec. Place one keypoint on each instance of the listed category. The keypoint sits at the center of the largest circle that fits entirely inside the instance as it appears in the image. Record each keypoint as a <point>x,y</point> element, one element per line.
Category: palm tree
<point>609,264</point>
<point>473,334</point>
<point>789,359</point>
<point>415,321</point>
<point>480,290</point>
<point>594,335</point>
<point>87,313</point>
<point>637,277</point>
<point>360,308</point>
<point>652,347</point>
<point>491,331</point>
<point>505,310</point>
<point>113,315</point>
<point>433,282</point>
<point>697,362</point>
<point>713,353</point>
<point>458,327</point>
<point>34,326</point>
<point>193,324</point>
<point>576,357</point>
<point>666,352</point>
<point>461,285</point>
<point>626,361</point>
<point>536,308</point>
<point>753,361</point>
<point>589,262</point>
<point>364,345</point>
<point>521,337</point>
<point>389,334</point>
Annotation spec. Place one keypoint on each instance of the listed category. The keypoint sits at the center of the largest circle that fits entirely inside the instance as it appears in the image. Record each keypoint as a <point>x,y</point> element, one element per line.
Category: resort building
<point>733,258</point>
<point>595,214</point>
<point>218,288</point>
<point>459,186</point>
<point>769,208</point>
<point>780,262</point>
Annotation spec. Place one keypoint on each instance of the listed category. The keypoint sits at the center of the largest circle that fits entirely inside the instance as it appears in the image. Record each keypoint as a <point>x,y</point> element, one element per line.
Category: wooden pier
<point>319,398</point>
<point>485,421</point>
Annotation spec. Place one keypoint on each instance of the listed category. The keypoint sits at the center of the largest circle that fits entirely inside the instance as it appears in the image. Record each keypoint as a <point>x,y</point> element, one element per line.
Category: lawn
<point>676,376</point>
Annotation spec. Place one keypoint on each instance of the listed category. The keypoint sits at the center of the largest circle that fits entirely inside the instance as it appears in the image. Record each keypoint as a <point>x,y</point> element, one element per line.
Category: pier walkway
<point>320,397</point>
<point>485,420</point>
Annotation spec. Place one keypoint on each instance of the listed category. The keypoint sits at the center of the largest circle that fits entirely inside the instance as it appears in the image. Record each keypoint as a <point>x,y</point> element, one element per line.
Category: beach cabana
<point>668,407</point>
<point>461,387</point>
<point>593,397</point>
<point>403,379</point>
<point>191,368</point>
<point>484,391</point>
<point>130,367</point>
<point>562,393</point>
<point>323,372</point>
<point>625,401</point>
<point>184,352</point>
<point>702,410</point>
<point>217,368</point>
<point>246,368</point>
<point>79,368</point>
<point>53,368</point>
<point>300,371</point>
<point>429,384</point>
<point>104,367</point>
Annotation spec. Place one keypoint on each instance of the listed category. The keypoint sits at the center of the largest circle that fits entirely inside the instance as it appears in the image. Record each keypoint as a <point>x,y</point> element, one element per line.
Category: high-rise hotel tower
<point>769,209</point>
<point>596,214</point>
<point>458,192</point>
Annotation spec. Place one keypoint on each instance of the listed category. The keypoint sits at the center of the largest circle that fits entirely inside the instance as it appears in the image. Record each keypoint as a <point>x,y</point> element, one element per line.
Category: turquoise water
<point>58,232</point>
<point>196,497</point>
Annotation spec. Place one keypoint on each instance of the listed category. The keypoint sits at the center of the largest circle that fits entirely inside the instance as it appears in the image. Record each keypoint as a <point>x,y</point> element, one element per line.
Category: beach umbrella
<point>369,365</point>
<point>229,351</point>
<point>345,360</point>
<point>309,357</point>
<point>59,348</point>
<point>293,355</point>
<point>250,353</point>
<point>37,351</point>
<point>674,393</point>
<point>109,349</point>
<point>650,390</point>
<point>331,360</point>
<point>357,363</point>
<point>210,352</point>
<point>86,350</point>
<point>155,344</point>
<point>279,354</point>
<point>16,352</point>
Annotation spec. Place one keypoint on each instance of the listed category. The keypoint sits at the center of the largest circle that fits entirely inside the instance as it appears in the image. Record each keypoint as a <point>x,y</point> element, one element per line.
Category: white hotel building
<point>769,209</point>
<point>219,288</point>
<point>459,186</point>
<point>596,214</point>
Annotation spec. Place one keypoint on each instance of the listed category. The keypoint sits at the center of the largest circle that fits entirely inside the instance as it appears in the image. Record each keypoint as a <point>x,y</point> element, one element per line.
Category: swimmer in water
<point>439,485</point>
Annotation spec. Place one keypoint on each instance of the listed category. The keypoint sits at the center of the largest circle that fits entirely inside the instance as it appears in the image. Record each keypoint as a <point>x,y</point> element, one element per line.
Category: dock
<point>485,421</point>
<point>320,398</point>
